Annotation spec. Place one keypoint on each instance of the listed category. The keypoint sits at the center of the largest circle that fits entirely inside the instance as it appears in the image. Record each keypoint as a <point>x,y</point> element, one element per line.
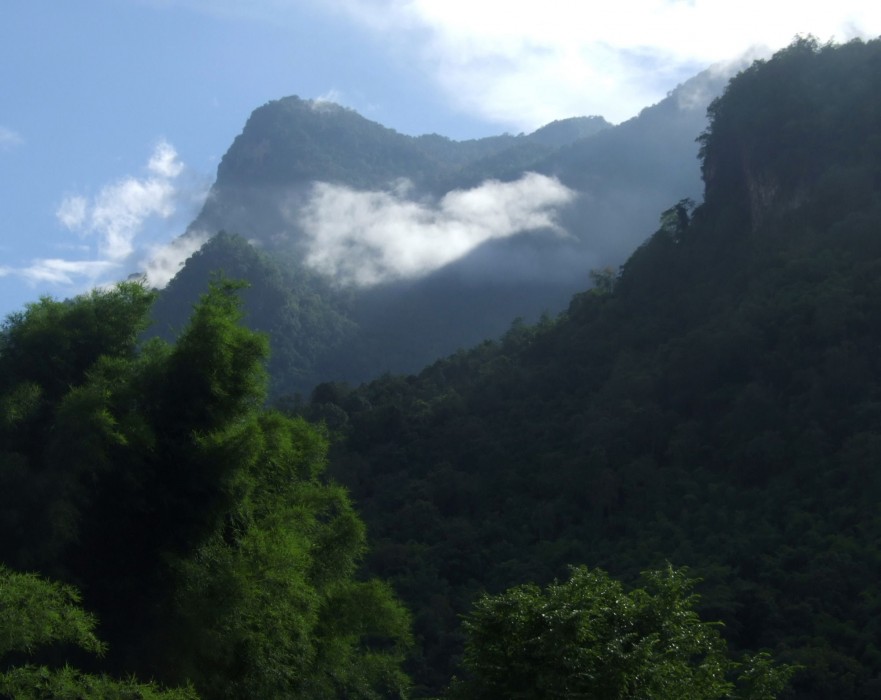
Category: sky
<point>114,114</point>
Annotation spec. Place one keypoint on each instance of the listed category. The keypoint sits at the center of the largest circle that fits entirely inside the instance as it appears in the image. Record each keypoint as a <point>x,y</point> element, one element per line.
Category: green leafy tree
<point>35,613</point>
<point>603,281</point>
<point>197,524</point>
<point>47,353</point>
<point>590,638</point>
<point>269,606</point>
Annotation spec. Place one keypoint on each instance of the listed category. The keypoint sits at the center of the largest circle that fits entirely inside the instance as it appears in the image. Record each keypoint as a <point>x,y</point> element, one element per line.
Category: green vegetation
<point>200,531</point>
<point>714,404</point>
<point>589,638</point>
<point>195,522</point>
<point>35,613</point>
<point>305,319</point>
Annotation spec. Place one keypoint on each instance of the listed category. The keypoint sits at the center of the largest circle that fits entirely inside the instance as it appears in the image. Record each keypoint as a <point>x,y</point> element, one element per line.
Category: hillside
<point>715,404</point>
<point>424,244</point>
<point>291,305</point>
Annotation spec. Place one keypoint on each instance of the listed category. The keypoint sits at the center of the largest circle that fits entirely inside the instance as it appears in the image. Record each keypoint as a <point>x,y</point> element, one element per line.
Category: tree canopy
<point>35,613</point>
<point>196,522</point>
<point>590,638</point>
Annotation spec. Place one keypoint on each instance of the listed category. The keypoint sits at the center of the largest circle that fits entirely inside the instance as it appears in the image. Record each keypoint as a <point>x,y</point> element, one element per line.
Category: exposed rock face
<point>765,146</point>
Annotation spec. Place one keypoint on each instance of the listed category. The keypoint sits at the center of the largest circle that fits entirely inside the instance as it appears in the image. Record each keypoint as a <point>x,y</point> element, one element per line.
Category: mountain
<point>715,403</point>
<point>424,244</point>
<point>562,132</point>
<point>284,301</point>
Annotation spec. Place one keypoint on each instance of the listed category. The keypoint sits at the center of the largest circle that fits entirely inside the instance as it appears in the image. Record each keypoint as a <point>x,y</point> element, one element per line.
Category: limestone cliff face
<point>737,170</point>
<point>768,197</point>
<point>794,129</point>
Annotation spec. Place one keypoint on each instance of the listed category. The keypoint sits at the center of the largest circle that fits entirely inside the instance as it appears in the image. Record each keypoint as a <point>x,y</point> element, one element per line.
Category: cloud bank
<point>526,63</point>
<point>365,238</point>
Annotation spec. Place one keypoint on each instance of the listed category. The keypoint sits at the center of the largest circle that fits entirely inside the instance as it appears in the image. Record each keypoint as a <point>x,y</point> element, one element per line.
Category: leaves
<point>66,683</point>
<point>271,591</point>
<point>197,523</point>
<point>34,613</point>
<point>589,638</point>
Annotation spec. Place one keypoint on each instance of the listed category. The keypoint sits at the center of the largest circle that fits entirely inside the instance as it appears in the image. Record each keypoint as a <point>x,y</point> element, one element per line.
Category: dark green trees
<point>590,638</point>
<point>35,613</point>
<point>196,523</point>
<point>303,316</point>
<point>62,367</point>
<point>268,606</point>
<point>718,408</point>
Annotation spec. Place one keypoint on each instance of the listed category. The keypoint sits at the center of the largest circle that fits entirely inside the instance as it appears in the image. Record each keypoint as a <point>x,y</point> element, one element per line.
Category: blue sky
<point>115,113</point>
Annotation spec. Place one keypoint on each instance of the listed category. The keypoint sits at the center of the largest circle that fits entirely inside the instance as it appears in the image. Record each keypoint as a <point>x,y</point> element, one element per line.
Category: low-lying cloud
<point>164,261</point>
<point>366,238</point>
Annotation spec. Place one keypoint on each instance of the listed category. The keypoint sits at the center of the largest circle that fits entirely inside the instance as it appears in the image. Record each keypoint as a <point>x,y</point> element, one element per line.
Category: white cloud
<point>332,96</point>
<point>164,162</point>
<point>120,210</point>
<point>72,212</point>
<point>365,238</point>
<point>526,63</point>
<point>164,261</point>
<point>9,139</point>
<point>521,63</point>
<point>118,220</point>
<point>60,271</point>
<point>331,101</point>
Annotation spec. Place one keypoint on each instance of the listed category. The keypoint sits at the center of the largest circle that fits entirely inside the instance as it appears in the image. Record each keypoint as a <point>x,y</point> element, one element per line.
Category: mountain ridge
<point>618,178</point>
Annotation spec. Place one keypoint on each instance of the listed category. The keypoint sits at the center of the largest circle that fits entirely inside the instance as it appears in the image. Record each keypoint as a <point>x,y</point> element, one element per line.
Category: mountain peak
<point>562,132</point>
<point>790,124</point>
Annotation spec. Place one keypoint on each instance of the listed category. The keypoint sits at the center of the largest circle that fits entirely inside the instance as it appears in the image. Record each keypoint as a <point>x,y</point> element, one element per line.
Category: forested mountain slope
<point>289,303</point>
<point>364,219</point>
<point>716,404</point>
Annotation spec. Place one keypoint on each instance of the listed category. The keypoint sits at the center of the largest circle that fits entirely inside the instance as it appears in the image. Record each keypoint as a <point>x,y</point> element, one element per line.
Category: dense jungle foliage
<point>715,403</point>
<point>195,523</point>
<point>198,527</point>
